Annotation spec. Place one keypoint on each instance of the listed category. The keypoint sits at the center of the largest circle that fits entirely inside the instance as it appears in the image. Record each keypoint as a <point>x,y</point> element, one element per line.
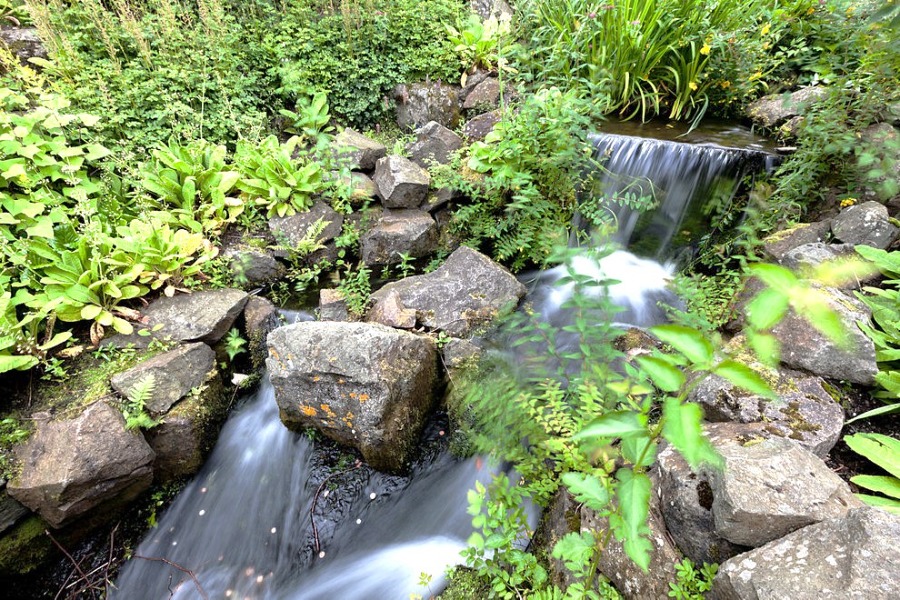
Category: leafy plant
<point>480,43</point>
<point>310,121</point>
<point>356,289</point>
<point>134,407</point>
<point>690,582</point>
<point>235,344</point>
<point>884,451</point>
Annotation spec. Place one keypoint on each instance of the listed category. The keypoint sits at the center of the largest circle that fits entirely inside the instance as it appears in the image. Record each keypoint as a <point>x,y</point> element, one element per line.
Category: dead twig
<point>77,565</point>
<point>187,572</point>
<point>312,508</point>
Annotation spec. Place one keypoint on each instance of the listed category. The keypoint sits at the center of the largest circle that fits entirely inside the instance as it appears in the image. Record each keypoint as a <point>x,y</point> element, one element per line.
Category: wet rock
<point>434,144</point>
<point>260,317</point>
<point>411,232</point>
<point>853,556</point>
<point>468,291</point>
<point>361,384</point>
<point>197,317</point>
<point>777,245</point>
<point>11,510</point>
<point>253,268</point>
<point>802,411</point>
<point>401,183</point>
<point>865,223</point>
<point>770,488</point>
<point>772,110</point>
<point>175,373</point>
<point>390,312</point>
<point>71,467</point>
<point>485,95</point>
<point>478,127</point>
<point>420,103</point>
<point>332,306</point>
<point>290,231</point>
<point>356,151</point>
<point>24,42</point>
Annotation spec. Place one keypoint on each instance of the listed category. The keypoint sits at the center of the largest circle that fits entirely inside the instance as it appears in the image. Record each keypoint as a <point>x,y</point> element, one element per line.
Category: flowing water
<point>243,528</point>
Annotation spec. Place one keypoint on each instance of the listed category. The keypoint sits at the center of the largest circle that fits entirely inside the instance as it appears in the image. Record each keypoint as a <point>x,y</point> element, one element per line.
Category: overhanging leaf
<point>683,429</point>
<point>690,342</point>
<point>620,423</point>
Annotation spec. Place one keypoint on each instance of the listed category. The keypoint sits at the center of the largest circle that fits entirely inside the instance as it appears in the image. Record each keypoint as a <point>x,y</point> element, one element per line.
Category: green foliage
<point>480,44</point>
<point>235,344</point>
<point>133,409</point>
<point>310,122</point>
<point>533,162</point>
<point>884,451</point>
<point>690,582</point>
<point>356,289</point>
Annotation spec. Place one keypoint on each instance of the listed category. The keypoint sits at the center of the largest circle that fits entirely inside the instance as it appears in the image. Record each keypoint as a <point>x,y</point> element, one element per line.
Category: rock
<point>260,317</point>
<point>479,126</point>
<point>197,317</point>
<point>332,306</point>
<point>471,80</point>
<point>361,384</point>
<point>561,517</point>
<point>290,231</point>
<point>491,8</point>
<point>437,199</point>
<point>188,432</point>
<point>457,352</point>
<point>356,150</point>
<point>467,291</point>
<point>401,183</point>
<point>803,411</point>
<point>626,576</point>
<point>485,95</point>
<point>777,245</point>
<point>685,500</point>
<point>361,187</point>
<point>24,42</point>
<point>434,144</point>
<point>71,467</point>
<point>390,312</point>
<point>11,510</point>
<point>253,268</point>
<point>419,103</point>
<point>411,232</point>
<point>772,110</point>
<point>175,373</point>
<point>770,488</point>
<point>865,223</point>
<point>804,259</point>
<point>853,556</point>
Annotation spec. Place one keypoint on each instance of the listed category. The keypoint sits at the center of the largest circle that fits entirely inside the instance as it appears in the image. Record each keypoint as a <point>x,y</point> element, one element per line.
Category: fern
<point>134,409</point>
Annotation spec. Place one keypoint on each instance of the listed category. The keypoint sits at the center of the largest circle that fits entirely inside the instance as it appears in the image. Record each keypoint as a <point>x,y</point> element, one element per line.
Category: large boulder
<point>773,110</point>
<point>853,556</point>
<point>467,291</point>
<point>175,373</point>
<point>420,103</point>
<point>485,95</point>
<point>361,384</point>
<point>251,268</point>
<point>23,42</point>
<point>410,232</point>
<point>777,245</point>
<point>357,151</point>
<point>867,223</point>
<point>197,317</point>
<point>434,144</point>
<point>401,183</point>
<point>479,126</point>
<point>71,467</point>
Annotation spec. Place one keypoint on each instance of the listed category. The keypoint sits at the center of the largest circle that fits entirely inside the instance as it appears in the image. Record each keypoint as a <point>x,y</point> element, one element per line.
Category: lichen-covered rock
<point>485,95</point>
<point>357,151</point>
<point>332,306</point>
<point>289,231</point>
<point>175,373</point>
<point>805,259</point>
<point>777,245</point>
<point>434,144</point>
<point>772,110</point>
<point>469,290</point>
<point>851,557</point>
<point>419,103</point>
<point>390,312</point>
<point>196,317</point>
<point>410,232</point>
<point>253,268</point>
<point>479,126</point>
<point>11,510</point>
<point>865,223</point>
<point>770,488</point>
<point>361,384</point>
<point>491,8</point>
<point>24,42</point>
<point>71,467</point>
<point>401,183</point>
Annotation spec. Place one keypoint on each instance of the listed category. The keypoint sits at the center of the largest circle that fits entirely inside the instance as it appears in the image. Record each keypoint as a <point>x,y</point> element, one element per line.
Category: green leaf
<point>880,449</point>
<point>16,363</point>
<point>575,550</point>
<point>683,429</point>
<point>689,342</point>
<point>883,410</point>
<point>635,451</point>
<point>774,276</point>
<point>765,346</point>
<point>889,486</point>
<point>888,504</point>
<point>587,489</point>
<point>96,152</point>
<point>90,311</point>
<point>766,309</point>
<point>744,377</point>
<point>633,493</point>
<point>664,375</point>
<point>620,423</point>
<point>16,169</point>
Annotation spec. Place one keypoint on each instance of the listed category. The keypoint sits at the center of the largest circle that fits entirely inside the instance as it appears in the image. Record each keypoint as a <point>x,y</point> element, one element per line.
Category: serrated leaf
<point>683,429</point>
<point>744,377</point>
<point>662,373</point>
<point>575,550</point>
<point>620,423</point>
<point>587,489</point>
<point>766,309</point>
<point>689,342</point>
<point>633,493</point>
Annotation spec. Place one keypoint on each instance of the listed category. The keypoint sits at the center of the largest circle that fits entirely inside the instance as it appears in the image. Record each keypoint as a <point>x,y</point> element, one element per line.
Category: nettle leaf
<point>587,489</point>
<point>620,423</point>
<point>775,277</point>
<point>683,429</point>
<point>663,374</point>
<point>689,342</point>
<point>575,550</point>
<point>765,346</point>
<point>767,309</point>
<point>744,377</point>
<point>633,493</point>
<point>636,451</point>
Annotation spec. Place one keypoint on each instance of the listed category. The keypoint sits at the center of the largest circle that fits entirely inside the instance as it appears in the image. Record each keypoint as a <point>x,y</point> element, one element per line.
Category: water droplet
<point>325,494</point>
<point>202,512</point>
<point>372,496</point>
<point>228,593</point>
<point>274,529</point>
<point>322,554</point>
<point>441,433</point>
<point>259,579</point>
<point>249,572</point>
<point>358,521</point>
<point>203,490</point>
<point>174,543</point>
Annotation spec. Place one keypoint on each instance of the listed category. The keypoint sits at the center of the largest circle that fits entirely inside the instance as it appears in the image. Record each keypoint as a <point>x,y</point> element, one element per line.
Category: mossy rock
<point>25,547</point>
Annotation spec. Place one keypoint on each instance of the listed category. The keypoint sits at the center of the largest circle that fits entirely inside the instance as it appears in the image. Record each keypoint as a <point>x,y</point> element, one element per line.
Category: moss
<point>25,547</point>
<point>464,584</point>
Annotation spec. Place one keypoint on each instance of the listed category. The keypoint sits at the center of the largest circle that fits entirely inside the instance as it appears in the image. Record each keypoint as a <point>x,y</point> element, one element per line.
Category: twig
<point>180,568</point>
<point>312,508</point>
<point>74,562</point>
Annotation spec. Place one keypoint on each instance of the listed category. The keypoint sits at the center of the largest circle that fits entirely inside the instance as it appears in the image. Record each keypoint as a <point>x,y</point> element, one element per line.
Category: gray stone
<point>419,103</point>
<point>479,126</point>
<point>777,245</point>
<point>437,199</point>
<point>361,187</point>
<point>332,306</point>
<point>485,95</point>
<point>197,317</point>
<point>11,510</point>
<point>806,258</point>
<point>390,312</point>
<point>253,268</point>
<point>768,489</point>
<point>71,467</point>
<point>175,373</point>
<point>434,144</point>
<point>469,290</point>
<point>260,317</point>
<point>24,42</point>
<point>491,8</point>
<point>411,232</point>
<point>852,557</point>
<point>458,352</point>
<point>802,411</point>
<point>361,384</point>
<point>772,110</point>
<point>865,223</point>
<point>357,151</point>
<point>290,231</point>
<point>401,183</point>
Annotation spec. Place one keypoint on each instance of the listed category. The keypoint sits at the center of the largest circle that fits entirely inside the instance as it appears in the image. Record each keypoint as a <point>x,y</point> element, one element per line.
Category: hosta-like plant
<point>884,451</point>
<point>25,342</point>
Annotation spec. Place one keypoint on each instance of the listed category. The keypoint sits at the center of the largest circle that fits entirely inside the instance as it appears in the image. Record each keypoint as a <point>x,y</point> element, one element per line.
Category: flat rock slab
<point>399,232</point>
<point>401,183</point>
<point>290,231</point>
<point>197,317</point>
<point>361,384</point>
<point>772,110</point>
<point>468,291</point>
<point>71,467</point>
<point>865,223</point>
<point>777,245</point>
<point>357,151</point>
<point>175,373</point>
<point>851,557</point>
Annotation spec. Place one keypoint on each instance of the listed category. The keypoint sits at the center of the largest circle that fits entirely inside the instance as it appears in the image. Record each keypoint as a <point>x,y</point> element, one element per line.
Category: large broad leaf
<point>689,342</point>
<point>633,493</point>
<point>766,309</point>
<point>889,486</point>
<point>744,377</point>
<point>662,373</point>
<point>639,451</point>
<point>587,489</point>
<point>882,450</point>
<point>683,429</point>
<point>615,424</point>
<point>16,363</point>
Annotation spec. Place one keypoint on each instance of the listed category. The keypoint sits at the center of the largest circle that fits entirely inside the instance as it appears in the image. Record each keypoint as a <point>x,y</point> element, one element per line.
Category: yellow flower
<point>693,86</point>
<point>765,29</point>
<point>725,85</point>
<point>848,202</point>
<point>705,49</point>
<point>810,11</point>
